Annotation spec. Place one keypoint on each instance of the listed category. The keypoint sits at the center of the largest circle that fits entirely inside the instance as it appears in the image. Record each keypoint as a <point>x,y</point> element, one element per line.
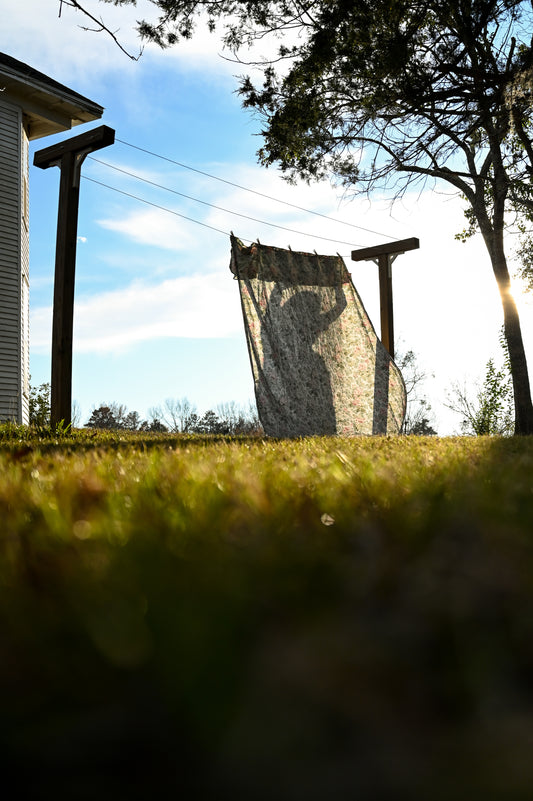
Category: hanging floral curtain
<point>318,365</point>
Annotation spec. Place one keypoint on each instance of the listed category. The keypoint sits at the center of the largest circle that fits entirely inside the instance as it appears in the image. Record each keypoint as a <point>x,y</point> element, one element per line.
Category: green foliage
<point>495,411</point>
<point>242,618</point>
<point>471,228</point>
<point>525,270</point>
<point>154,425</point>
<point>491,412</point>
<point>524,253</point>
<point>422,426</point>
<point>114,417</point>
<point>40,405</point>
<point>374,90</point>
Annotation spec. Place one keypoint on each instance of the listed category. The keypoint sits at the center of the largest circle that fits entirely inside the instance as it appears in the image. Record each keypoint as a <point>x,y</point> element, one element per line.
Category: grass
<point>247,618</point>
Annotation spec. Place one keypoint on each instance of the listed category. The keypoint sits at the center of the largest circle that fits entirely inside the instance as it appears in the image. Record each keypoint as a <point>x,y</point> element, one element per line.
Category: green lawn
<point>199,617</point>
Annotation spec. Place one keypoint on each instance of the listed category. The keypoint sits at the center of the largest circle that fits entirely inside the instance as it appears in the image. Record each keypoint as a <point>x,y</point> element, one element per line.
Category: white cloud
<point>153,227</point>
<point>36,34</point>
<point>199,307</point>
<point>59,46</point>
<point>104,166</point>
<point>424,314</point>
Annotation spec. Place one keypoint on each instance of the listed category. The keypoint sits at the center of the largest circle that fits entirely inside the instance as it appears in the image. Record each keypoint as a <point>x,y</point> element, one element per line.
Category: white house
<point>32,106</point>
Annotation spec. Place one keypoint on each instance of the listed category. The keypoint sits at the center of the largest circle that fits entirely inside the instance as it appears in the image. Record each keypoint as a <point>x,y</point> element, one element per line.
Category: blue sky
<point>157,313</point>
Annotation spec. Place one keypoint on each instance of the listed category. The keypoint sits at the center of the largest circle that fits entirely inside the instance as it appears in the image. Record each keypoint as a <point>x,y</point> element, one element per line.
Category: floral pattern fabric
<point>318,366</point>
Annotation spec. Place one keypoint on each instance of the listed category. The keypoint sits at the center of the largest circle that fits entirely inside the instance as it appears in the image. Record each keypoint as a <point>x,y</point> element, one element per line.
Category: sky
<point>157,314</point>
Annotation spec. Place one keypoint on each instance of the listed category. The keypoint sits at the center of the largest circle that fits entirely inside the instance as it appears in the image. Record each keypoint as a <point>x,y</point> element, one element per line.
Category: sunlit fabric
<point>318,365</point>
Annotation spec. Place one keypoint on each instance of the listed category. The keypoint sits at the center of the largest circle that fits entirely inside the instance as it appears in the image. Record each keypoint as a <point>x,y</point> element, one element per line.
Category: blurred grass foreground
<point>193,617</point>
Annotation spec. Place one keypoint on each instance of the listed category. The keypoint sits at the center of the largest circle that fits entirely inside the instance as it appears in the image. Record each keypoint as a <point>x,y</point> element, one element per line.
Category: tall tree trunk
<point>513,334</point>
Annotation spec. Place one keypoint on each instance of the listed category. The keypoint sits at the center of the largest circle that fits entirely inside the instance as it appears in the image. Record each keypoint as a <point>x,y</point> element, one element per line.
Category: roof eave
<point>48,106</point>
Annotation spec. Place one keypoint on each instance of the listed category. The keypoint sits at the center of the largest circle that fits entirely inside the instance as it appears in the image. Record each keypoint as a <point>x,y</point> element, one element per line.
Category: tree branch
<point>102,28</point>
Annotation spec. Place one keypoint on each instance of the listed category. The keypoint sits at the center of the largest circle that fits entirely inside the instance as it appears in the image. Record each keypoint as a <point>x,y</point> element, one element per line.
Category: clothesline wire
<point>219,208</point>
<point>253,191</point>
<point>155,205</point>
<point>170,211</point>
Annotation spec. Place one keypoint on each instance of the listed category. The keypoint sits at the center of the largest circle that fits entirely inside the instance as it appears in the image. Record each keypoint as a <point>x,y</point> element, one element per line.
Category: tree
<point>231,415</point>
<point>154,425</point>
<point>132,421</point>
<point>418,415</point>
<point>211,424</point>
<point>490,412</point>
<point>239,420</point>
<point>177,414</point>
<point>76,414</point>
<point>382,94</point>
<point>422,427</point>
<point>103,417</point>
<point>114,416</point>
<point>40,405</point>
<point>524,253</point>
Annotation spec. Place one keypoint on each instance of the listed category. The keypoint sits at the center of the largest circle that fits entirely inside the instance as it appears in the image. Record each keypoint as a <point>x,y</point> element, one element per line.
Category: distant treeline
<point>174,415</point>
<point>179,416</point>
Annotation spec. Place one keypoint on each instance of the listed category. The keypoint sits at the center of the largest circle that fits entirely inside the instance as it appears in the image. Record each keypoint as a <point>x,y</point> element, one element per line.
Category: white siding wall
<point>13,246</point>
<point>25,278</point>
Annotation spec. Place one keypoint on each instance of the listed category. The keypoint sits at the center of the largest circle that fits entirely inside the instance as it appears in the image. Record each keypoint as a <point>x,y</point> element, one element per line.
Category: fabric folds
<point>319,368</point>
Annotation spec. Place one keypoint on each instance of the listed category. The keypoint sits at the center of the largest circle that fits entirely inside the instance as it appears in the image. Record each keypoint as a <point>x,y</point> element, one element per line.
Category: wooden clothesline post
<point>383,256</point>
<point>68,156</point>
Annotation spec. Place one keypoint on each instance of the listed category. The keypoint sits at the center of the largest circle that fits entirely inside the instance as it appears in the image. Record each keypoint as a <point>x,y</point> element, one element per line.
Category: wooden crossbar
<point>383,256</point>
